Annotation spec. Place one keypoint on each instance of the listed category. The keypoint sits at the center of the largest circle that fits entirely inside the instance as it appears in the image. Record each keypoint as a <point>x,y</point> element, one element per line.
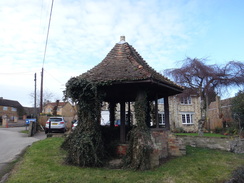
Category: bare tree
<point>207,80</point>
<point>47,97</point>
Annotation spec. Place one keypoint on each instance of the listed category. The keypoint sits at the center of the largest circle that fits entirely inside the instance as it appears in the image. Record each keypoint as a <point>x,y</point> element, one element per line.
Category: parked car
<point>57,124</point>
<point>74,124</point>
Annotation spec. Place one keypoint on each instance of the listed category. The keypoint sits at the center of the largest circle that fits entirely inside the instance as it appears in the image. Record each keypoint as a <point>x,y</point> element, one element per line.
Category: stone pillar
<point>5,121</point>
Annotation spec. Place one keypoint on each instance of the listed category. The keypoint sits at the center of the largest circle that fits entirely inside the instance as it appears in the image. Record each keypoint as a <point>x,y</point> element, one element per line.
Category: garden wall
<point>165,144</point>
<point>235,145</point>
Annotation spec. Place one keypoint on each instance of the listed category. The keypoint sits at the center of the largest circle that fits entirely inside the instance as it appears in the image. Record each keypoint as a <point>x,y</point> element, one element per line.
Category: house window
<point>5,108</point>
<point>14,109</point>
<point>161,119</point>
<point>185,100</point>
<point>187,118</point>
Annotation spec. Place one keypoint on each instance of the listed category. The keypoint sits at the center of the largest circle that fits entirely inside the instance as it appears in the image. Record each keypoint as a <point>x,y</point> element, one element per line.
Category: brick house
<point>219,114</point>
<point>11,109</point>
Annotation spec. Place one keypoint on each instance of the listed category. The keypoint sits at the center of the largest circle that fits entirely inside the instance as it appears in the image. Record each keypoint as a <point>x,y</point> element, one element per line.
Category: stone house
<point>184,112</point>
<point>10,109</point>
<point>63,109</point>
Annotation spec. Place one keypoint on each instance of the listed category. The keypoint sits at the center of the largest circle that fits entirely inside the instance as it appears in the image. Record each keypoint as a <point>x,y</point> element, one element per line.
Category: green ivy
<point>139,149</point>
<point>84,145</point>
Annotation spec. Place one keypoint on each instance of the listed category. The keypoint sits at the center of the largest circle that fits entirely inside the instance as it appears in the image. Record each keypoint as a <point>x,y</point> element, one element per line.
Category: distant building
<point>11,109</point>
<point>30,112</point>
<point>219,114</point>
<point>184,112</point>
<point>63,109</point>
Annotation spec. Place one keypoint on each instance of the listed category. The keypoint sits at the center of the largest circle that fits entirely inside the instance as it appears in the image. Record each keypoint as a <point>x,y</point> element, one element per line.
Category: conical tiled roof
<point>122,64</point>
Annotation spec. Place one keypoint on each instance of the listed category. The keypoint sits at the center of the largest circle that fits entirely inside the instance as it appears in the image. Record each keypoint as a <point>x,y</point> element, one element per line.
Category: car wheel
<point>46,131</point>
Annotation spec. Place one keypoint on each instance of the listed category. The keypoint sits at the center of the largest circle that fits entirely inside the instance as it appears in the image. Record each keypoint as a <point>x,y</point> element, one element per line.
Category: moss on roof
<point>124,63</point>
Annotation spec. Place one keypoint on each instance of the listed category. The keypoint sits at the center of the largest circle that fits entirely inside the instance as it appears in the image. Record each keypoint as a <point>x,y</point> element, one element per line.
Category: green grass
<point>205,134</point>
<point>24,131</point>
<point>44,162</point>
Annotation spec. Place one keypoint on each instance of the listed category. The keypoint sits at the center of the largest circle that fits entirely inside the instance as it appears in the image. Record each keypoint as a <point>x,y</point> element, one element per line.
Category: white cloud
<point>83,32</point>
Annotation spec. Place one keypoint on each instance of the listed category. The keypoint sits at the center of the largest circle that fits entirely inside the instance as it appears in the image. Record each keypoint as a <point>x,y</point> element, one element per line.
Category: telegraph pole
<point>35,96</point>
<point>44,56</point>
<point>41,92</point>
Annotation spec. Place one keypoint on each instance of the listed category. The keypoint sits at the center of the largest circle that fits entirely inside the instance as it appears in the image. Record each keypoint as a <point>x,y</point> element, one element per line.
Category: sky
<point>82,32</point>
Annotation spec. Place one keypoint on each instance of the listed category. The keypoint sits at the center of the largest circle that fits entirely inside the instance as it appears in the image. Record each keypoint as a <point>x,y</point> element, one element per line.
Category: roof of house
<point>9,103</point>
<point>55,103</point>
<point>31,110</point>
<point>124,63</point>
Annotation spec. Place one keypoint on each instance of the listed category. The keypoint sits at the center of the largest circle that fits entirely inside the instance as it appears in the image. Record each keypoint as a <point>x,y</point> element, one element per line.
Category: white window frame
<point>185,101</point>
<point>5,108</point>
<point>187,118</point>
<point>161,118</point>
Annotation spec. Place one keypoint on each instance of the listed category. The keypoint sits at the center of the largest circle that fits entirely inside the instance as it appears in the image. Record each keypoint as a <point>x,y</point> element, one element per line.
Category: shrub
<point>237,176</point>
<point>218,130</point>
<point>179,130</point>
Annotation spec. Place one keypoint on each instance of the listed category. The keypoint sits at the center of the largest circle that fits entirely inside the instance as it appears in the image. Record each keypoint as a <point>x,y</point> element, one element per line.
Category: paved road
<point>12,143</point>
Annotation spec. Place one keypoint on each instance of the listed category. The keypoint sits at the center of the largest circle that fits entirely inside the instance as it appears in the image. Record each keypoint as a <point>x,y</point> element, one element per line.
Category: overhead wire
<point>16,73</point>
<point>48,28</point>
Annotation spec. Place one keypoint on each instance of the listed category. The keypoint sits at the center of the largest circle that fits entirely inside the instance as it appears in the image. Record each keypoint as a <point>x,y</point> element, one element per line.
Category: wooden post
<point>112,113</point>
<point>166,113</point>
<point>129,115</point>
<point>122,122</point>
<point>156,111</point>
<point>41,92</point>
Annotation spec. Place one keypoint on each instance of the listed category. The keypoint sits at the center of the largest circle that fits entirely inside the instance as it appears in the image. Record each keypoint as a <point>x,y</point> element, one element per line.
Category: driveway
<point>12,143</point>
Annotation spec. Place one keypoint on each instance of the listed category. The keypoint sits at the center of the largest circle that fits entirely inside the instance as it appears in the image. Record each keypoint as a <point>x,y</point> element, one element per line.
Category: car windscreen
<point>55,119</point>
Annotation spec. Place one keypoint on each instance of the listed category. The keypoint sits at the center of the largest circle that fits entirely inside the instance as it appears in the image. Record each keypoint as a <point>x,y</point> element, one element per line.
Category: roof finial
<point>122,39</point>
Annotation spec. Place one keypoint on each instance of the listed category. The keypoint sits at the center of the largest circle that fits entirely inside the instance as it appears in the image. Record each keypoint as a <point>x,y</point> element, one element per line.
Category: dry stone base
<point>235,145</point>
<point>165,144</point>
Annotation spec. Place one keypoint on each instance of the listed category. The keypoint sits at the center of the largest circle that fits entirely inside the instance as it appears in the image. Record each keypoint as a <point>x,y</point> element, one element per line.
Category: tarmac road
<point>12,143</point>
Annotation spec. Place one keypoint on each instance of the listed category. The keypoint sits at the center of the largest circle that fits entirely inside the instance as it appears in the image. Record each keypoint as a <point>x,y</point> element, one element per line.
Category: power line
<point>16,73</point>
<point>54,77</point>
<point>44,56</point>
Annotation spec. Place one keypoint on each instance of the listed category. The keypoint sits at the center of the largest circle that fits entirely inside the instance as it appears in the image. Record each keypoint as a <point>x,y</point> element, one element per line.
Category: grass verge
<point>44,162</point>
<point>205,134</point>
<point>24,131</point>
